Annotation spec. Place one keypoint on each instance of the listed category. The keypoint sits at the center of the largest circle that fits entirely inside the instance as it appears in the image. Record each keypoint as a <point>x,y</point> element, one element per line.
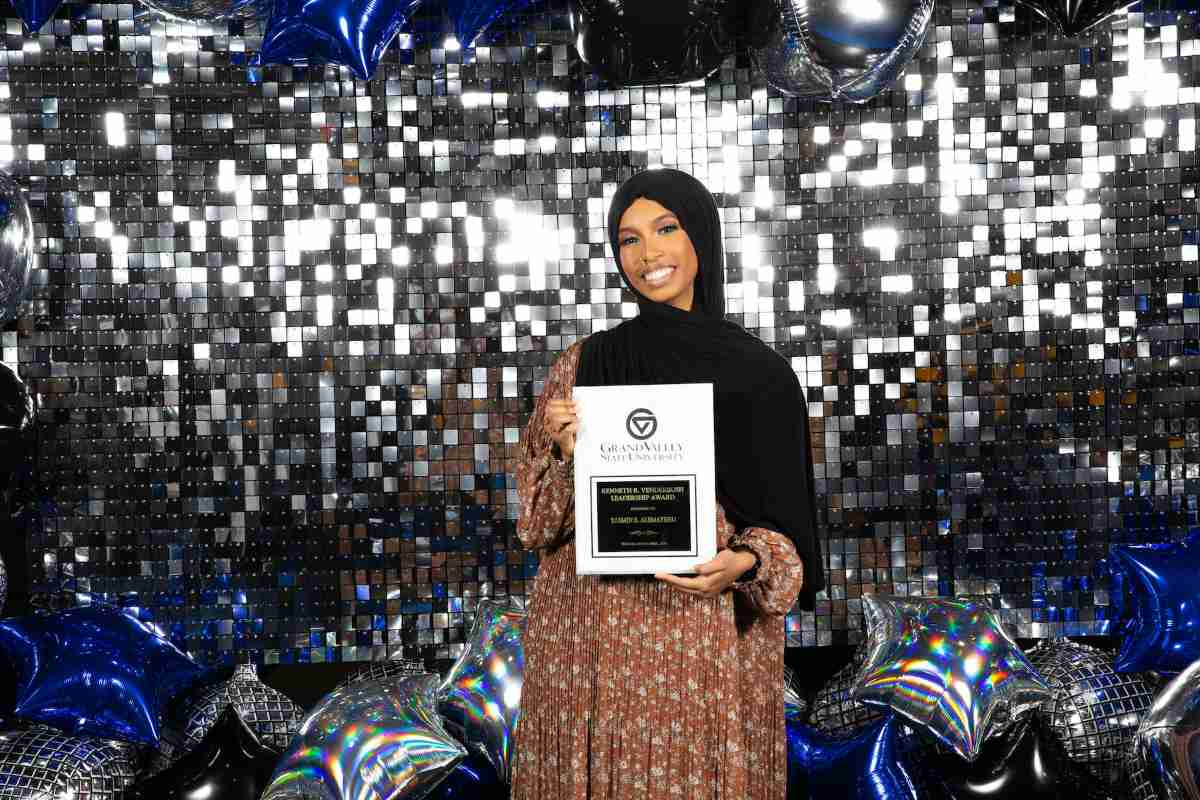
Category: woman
<point>668,686</point>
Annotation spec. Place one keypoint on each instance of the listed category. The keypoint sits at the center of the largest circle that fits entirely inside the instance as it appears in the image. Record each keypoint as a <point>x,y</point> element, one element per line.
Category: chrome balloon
<point>379,670</point>
<point>481,694</point>
<point>209,10</point>
<point>948,666</point>
<point>16,247</point>
<point>835,711</point>
<point>374,739</point>
<point>1093,711</point>
<point>846,51</point>
<point>1165,758</point>
<point>41,763</point>
<point>270,714</point>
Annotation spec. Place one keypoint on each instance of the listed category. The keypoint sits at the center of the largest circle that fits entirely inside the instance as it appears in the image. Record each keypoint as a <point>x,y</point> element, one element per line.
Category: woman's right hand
<point>562,423</point>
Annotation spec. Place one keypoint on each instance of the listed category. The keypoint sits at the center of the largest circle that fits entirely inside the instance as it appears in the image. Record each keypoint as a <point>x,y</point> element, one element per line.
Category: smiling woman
<point>651,686</point>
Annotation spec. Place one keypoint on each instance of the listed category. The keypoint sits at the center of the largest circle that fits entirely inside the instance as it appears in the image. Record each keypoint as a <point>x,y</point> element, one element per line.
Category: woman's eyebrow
<point>657,219</point>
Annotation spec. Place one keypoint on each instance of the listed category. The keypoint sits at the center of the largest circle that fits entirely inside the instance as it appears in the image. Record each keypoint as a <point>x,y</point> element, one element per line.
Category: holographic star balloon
<point>481,695</point>
<point>866,766</point>
<point>948,666</point>
<point>1165,757</point>
<point>94,671</point>
<point>374,739</point>
<point>353,33</point>
<point>1093,711</point>
<point>1162,633</point>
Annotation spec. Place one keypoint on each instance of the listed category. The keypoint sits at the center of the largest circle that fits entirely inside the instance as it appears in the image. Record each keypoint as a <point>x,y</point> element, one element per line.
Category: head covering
<point>763,461</point>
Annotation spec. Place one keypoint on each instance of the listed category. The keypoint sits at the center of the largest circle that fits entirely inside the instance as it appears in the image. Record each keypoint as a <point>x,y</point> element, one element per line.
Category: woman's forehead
<point>644,210</point>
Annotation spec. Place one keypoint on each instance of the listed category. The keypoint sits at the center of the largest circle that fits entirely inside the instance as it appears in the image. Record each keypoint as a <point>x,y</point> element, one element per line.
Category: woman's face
<point>656,254</point>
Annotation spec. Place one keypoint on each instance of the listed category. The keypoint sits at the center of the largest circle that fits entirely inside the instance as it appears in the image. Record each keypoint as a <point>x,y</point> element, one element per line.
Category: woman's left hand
<point>712,577</point>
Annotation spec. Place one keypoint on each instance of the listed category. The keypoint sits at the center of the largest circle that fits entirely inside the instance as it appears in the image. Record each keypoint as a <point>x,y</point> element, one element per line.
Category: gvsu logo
<point>641,423</point>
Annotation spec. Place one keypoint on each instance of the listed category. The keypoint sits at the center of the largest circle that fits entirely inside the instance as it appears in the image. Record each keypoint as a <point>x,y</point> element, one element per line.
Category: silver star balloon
<point>481,694</point>
<point>373,739</point>
<point>947,666</point>
<point>39,762</point>
<point>1165,757</point>
<point>1093,710</point>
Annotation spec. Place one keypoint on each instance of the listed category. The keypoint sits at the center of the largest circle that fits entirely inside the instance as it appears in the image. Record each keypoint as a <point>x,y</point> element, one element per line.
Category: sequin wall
<point>287,326</point>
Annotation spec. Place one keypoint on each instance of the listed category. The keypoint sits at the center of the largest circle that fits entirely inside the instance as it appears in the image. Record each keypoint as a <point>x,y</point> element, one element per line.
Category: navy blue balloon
<point>352,33</point>
<point>473,17</point>
<point>1162,633</point>
<point>867,766</point>
<point>94,671</point>
<point>35,13</point>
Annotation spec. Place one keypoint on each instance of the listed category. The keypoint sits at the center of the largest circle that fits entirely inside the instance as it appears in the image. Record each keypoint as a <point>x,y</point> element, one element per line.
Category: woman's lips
<point>663,275</point>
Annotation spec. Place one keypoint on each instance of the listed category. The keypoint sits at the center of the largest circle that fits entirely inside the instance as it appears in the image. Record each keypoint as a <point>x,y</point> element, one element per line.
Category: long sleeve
<point>545,485</point>
<point>777,582</point>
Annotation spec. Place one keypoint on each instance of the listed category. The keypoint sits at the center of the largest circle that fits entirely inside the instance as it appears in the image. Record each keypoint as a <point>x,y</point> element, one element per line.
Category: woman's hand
<point>562,423</point>
<point>712,577</point>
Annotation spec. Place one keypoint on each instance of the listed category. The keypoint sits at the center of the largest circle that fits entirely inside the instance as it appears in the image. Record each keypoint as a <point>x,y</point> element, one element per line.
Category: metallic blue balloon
<point>35,13</point>
<point>1163,632</point>
<point>94,671</point>
<point>473,17</point>
<point>866,766</point>
<point>353,33</point>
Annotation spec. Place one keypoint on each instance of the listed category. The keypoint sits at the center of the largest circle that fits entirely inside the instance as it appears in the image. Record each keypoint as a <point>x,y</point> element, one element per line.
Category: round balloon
<point>16,247</point>
<point>1093,711</point>
<point>41,762</point>
<point>835,711</point>
<point>847,51</point>
<point>383,670</point>
<point>1165,757</point>
<point>665,41</point>
<point>209,10</point>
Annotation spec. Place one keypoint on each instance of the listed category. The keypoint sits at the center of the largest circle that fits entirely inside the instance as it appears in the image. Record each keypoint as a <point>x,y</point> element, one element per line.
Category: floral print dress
<point>634,689</point>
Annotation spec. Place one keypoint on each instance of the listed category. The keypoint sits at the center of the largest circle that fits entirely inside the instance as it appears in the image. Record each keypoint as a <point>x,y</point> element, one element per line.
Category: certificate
<point>645,479</point>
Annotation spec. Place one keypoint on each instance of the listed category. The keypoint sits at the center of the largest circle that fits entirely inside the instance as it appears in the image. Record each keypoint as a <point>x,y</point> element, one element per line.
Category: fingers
<point>704,586</point>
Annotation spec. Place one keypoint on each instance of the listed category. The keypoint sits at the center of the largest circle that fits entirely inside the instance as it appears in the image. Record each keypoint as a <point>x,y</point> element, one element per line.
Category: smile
<point>659,276</point>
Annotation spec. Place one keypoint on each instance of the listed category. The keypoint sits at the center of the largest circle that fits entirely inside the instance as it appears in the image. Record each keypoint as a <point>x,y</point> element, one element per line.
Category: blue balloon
<point>353,33</point>
<point>867,766</point>
<point>1162,633</point>
<point>94,671</point>
<point>473,17</point>
<point>35,13</point>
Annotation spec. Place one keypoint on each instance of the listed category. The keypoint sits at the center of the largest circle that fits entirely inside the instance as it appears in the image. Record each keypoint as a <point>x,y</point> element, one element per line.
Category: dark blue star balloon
<point>1162,632</point>
<point>94,671</point>
<point>35,13</point>
<point>473,17</point>
<point>353,33</point>
<point>866,766</point>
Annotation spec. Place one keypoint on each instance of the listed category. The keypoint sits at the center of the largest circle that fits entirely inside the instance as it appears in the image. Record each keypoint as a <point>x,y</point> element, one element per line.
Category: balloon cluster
<point>107,708</point>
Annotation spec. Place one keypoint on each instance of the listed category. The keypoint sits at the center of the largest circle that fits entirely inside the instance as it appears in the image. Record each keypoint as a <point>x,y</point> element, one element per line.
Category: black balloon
<point>1026,765</point>
<point>473,778</point>
<point>1073,17</point>
<point>632,42</point>
<point>228,764</point>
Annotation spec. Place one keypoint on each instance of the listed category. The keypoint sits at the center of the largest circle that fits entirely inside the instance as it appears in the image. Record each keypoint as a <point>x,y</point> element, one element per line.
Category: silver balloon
<point>834,709</point>
<point>382,670</point>
<point>1165,758</point>
<point>795,706</point>
<point>38,762</point>
<point>374,739</point>
<point>847,51</point>
<point>1092,710</point>
<point>948,666</point>
<point>209,10</point>
<point>272,716</point>
<point>481,694</point>
<point>16,247</point>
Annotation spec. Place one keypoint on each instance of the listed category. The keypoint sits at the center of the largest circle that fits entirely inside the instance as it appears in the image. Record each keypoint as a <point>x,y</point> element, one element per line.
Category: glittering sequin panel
<point>287,325</point>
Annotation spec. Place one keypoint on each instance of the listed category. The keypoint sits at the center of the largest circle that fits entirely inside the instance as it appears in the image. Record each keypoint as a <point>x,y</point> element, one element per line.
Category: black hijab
<point>764,467</point>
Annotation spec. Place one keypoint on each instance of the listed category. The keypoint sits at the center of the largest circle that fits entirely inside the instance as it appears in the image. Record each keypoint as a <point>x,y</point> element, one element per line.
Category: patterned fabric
<point>634,689</point>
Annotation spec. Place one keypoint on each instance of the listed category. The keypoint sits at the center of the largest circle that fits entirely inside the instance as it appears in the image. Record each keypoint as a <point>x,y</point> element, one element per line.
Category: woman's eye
<point>668,228</point>
<point>628,240</point>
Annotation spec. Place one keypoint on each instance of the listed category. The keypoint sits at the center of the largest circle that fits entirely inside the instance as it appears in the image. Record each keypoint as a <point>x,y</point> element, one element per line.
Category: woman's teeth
<point>658,275</point>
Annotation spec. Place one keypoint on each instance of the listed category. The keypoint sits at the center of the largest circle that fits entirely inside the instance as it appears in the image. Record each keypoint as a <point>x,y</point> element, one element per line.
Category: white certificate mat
<point>645,479</point>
